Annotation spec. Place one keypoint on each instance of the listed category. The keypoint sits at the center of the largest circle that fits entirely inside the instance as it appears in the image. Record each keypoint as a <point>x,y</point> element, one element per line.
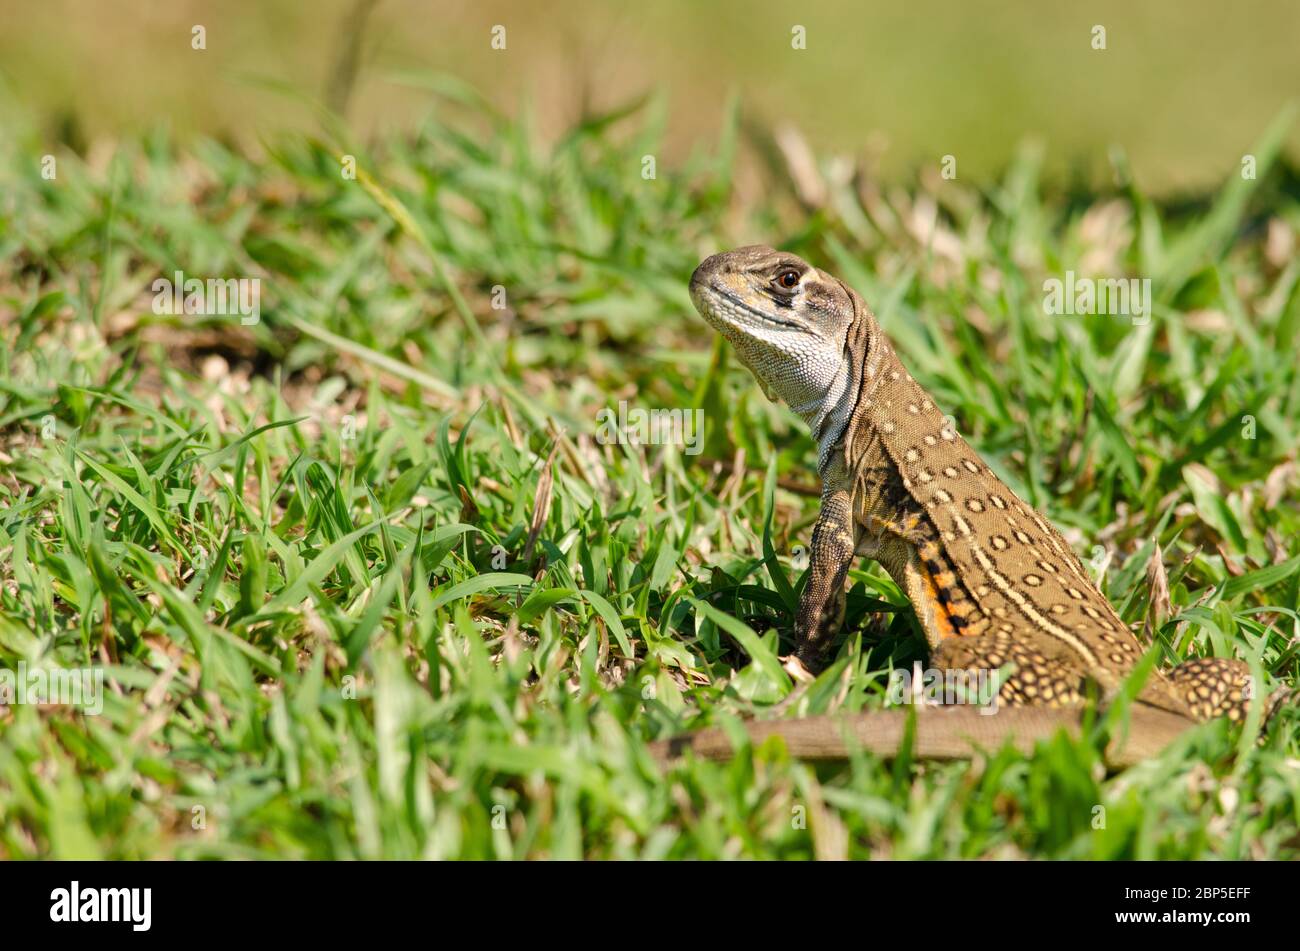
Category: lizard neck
<point>859,377</point>
<point>827,413</point>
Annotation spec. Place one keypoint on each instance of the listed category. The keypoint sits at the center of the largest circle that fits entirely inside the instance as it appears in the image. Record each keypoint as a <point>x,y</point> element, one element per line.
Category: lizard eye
<point>788,278</point>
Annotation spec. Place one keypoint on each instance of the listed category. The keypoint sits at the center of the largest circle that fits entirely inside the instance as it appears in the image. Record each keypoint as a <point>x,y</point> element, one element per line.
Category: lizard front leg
<point>821,606</point>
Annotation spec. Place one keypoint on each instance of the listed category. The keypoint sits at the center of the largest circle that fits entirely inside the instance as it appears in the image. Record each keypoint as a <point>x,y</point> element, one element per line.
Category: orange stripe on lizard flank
<point>936,607</point>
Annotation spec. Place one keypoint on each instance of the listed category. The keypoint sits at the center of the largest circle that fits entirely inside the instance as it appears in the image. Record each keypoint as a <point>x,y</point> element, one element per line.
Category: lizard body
<point>994,585</point>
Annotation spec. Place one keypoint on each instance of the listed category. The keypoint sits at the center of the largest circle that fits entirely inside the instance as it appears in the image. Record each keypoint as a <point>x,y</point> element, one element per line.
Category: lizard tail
<point>941,733</point>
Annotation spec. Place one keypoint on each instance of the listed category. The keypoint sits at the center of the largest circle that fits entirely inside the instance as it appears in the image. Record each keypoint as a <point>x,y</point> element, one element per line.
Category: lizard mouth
<point>751,310</point>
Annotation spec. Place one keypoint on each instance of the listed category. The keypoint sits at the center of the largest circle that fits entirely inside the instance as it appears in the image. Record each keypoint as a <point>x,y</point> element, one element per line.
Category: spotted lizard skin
<point>994,585</point>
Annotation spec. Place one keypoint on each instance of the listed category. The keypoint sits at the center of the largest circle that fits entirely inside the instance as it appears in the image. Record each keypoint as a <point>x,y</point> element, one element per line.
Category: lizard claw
<point>794,666</point>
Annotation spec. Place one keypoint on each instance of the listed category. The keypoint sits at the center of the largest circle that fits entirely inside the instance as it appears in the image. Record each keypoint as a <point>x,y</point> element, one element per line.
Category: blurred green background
<point>1183,87</point>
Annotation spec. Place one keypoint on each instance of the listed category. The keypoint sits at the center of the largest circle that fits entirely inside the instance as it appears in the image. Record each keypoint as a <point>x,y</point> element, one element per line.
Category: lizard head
<point>787,320</point>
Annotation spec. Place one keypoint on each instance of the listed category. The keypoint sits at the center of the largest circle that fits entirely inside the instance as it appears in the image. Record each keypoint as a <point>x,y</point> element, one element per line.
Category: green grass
<point>366,585</point>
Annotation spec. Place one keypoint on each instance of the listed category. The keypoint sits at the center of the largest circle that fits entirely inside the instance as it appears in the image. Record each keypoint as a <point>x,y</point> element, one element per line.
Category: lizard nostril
<point>702,273</point>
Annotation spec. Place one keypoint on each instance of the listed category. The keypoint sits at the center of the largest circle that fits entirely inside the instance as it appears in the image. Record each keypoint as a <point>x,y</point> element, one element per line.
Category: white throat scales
<point>809,373</point>
<point>822,390</point>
